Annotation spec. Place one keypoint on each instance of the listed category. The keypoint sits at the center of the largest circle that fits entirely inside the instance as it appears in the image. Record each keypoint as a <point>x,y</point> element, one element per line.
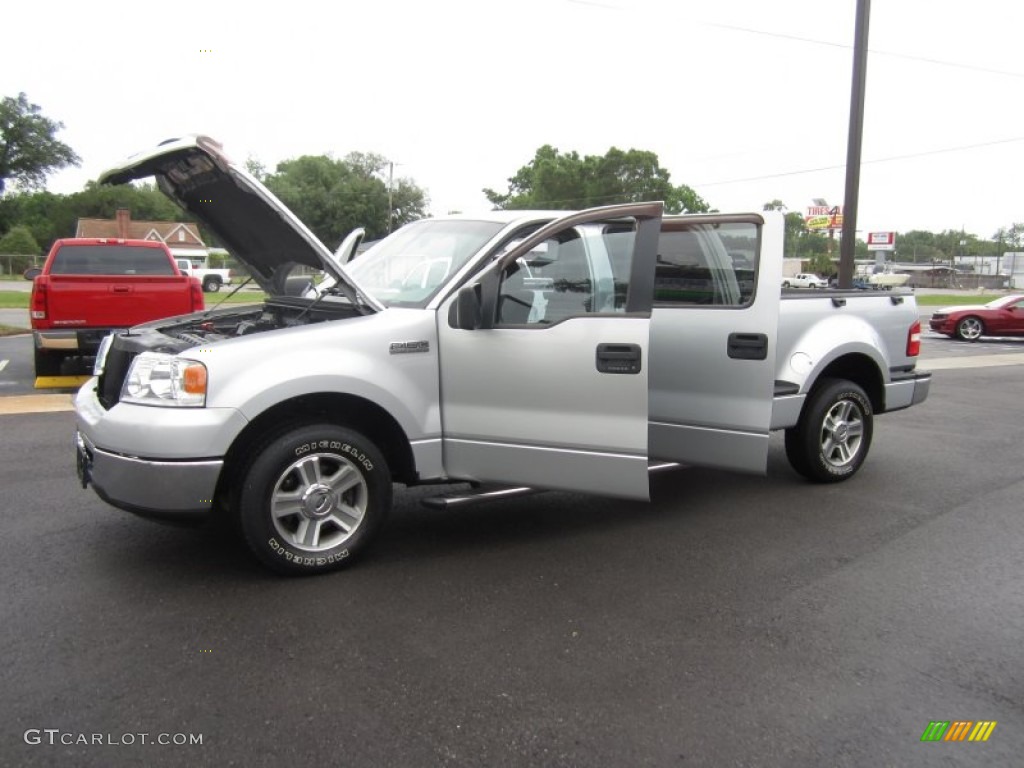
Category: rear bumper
<point>907,389</point>
<point>83,342</point>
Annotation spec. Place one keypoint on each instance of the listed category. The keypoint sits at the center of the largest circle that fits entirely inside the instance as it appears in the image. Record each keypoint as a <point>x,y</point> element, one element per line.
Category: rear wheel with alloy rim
<point>832,437</point>
<point>314,498</point>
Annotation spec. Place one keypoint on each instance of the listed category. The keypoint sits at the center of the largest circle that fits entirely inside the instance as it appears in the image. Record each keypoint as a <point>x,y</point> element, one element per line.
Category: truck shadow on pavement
<point>546,522</point>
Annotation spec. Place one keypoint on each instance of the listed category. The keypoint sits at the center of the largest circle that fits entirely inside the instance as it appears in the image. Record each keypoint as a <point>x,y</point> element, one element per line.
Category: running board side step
<point>476,497</point>
<point>481,495</point>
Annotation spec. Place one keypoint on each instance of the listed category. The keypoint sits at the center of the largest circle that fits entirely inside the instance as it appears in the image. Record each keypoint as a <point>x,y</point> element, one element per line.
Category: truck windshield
<point>408,267</point>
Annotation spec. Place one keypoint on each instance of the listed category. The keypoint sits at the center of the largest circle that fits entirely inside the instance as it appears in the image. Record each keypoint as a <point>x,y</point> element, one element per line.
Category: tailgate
<point>96,301</point>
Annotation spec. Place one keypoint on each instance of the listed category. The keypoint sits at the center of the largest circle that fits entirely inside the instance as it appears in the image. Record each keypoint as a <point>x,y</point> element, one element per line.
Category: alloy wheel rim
<point>318,502</point>
<point>970,328</point>
<point>842,433</point>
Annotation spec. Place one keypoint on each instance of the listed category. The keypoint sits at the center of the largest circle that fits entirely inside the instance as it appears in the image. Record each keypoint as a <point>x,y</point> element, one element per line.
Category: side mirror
<point>32,273</point>
<point>467,308</point>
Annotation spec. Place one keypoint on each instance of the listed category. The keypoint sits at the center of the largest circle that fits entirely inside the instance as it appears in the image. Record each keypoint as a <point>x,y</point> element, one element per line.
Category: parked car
<point>89,287</point>
<point>803,280</point>
<point>1002,317</point>
<point>212,279</point>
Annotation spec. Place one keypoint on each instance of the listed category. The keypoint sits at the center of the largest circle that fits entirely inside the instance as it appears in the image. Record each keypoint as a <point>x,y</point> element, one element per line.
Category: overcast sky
<point>744,100</point>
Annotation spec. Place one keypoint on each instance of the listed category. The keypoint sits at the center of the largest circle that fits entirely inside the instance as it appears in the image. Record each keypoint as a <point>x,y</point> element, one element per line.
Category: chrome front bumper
<point>174,491</point>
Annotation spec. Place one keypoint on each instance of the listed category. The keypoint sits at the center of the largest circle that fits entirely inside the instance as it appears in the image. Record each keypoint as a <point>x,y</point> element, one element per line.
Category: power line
<point>814,41</point>
<point>865,162</point>
<point>894,54</point>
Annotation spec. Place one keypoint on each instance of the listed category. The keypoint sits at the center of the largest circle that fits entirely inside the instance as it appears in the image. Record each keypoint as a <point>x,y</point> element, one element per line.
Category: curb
<point>16,404</point>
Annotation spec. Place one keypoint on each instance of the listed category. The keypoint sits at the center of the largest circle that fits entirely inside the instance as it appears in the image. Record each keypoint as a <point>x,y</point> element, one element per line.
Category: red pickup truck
<point>89,286</point>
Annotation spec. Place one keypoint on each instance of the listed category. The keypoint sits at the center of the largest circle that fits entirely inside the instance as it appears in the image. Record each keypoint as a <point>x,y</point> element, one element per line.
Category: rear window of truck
<point>110,260</point>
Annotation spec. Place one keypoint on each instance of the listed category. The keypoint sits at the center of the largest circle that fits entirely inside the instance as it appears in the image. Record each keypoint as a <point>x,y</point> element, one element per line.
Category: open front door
<point>544,360</point>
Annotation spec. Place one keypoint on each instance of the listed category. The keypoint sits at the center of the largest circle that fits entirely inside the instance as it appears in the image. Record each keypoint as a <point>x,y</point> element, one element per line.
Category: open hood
<point>256,227</point>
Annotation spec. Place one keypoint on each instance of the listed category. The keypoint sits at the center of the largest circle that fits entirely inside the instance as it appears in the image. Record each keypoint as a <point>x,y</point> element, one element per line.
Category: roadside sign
<point>824,217</point>
<point>881,241</point>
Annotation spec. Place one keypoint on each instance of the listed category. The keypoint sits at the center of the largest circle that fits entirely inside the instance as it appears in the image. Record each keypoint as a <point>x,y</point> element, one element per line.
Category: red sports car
<point>1002,317</point>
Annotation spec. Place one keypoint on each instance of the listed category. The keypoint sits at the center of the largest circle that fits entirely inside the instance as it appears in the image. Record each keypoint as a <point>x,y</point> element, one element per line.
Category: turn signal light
<point>195,379</point>
<point>914,340</point>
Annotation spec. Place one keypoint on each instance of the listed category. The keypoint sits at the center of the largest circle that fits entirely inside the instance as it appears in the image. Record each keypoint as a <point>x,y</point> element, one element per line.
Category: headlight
<point>159,379</point>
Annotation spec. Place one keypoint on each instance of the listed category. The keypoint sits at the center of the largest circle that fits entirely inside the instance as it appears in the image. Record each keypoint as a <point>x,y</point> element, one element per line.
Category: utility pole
<point>848,243</point>
<point>391,185</point>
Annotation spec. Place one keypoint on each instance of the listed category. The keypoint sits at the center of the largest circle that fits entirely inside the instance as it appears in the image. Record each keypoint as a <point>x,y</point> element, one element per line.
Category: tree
<point>333,197</point>
<point>29,149</point>
<point>49,216</point>
<point>566,181</point>
<point>256,168</point>
<point>19,244</point>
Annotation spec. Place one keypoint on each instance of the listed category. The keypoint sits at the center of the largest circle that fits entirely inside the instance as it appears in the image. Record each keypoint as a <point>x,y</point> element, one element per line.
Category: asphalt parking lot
<point>734,620</point>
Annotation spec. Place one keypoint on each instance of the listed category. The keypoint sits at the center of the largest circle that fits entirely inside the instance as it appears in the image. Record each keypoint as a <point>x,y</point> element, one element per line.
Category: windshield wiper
<point>332,291</point>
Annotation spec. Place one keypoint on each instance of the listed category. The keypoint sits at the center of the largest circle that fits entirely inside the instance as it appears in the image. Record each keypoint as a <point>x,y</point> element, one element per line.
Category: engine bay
<point>221,324</point>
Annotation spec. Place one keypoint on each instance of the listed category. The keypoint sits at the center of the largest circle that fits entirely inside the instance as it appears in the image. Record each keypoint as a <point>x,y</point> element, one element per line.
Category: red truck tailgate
<point>114,300</point>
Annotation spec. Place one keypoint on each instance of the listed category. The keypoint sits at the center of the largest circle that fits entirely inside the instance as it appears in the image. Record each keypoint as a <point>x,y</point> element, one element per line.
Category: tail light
<point>198,302</point>
<point>914,339</point>
<point>37,303</point>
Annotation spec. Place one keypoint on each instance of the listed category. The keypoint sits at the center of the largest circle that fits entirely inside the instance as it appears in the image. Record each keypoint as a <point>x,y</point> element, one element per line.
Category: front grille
<point>114,373</point>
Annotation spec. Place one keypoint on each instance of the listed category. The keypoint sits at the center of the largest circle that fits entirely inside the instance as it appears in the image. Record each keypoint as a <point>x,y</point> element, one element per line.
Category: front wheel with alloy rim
<point>313,499</point>
<point>970,328</point>
<point>832,437</point>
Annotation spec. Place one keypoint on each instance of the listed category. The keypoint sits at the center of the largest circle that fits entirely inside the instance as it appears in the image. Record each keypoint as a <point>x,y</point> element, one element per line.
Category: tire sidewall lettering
<point>349,451</point>
<point>318,561</point>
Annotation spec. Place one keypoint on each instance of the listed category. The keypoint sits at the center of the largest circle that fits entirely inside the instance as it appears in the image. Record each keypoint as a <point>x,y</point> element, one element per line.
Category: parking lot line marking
<point>3,364</point>
<point>971,361</point>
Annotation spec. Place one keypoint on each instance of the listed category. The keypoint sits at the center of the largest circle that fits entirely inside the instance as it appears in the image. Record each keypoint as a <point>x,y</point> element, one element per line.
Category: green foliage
<point>49,216</point>
<point>29,149</point>
<point>17,250</point>
<point>333,197</point>
<point>566,181</point>
<point>19,241</point>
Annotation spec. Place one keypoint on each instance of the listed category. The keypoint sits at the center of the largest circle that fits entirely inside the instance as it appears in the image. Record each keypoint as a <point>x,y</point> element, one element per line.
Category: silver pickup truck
<point>538,350</point>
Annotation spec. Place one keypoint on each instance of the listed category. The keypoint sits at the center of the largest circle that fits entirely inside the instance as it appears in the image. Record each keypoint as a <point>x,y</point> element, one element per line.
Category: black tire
<point>833,436</point>
<point>211,284</point>
<point>786,284</point>
<point>48,363</point>
<point>970,328</point>
<point>339,485</point>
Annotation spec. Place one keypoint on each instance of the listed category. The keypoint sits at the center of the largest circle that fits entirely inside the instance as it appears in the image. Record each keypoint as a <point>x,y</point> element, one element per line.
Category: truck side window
<point>705,264</point>
<point>563,277</point>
